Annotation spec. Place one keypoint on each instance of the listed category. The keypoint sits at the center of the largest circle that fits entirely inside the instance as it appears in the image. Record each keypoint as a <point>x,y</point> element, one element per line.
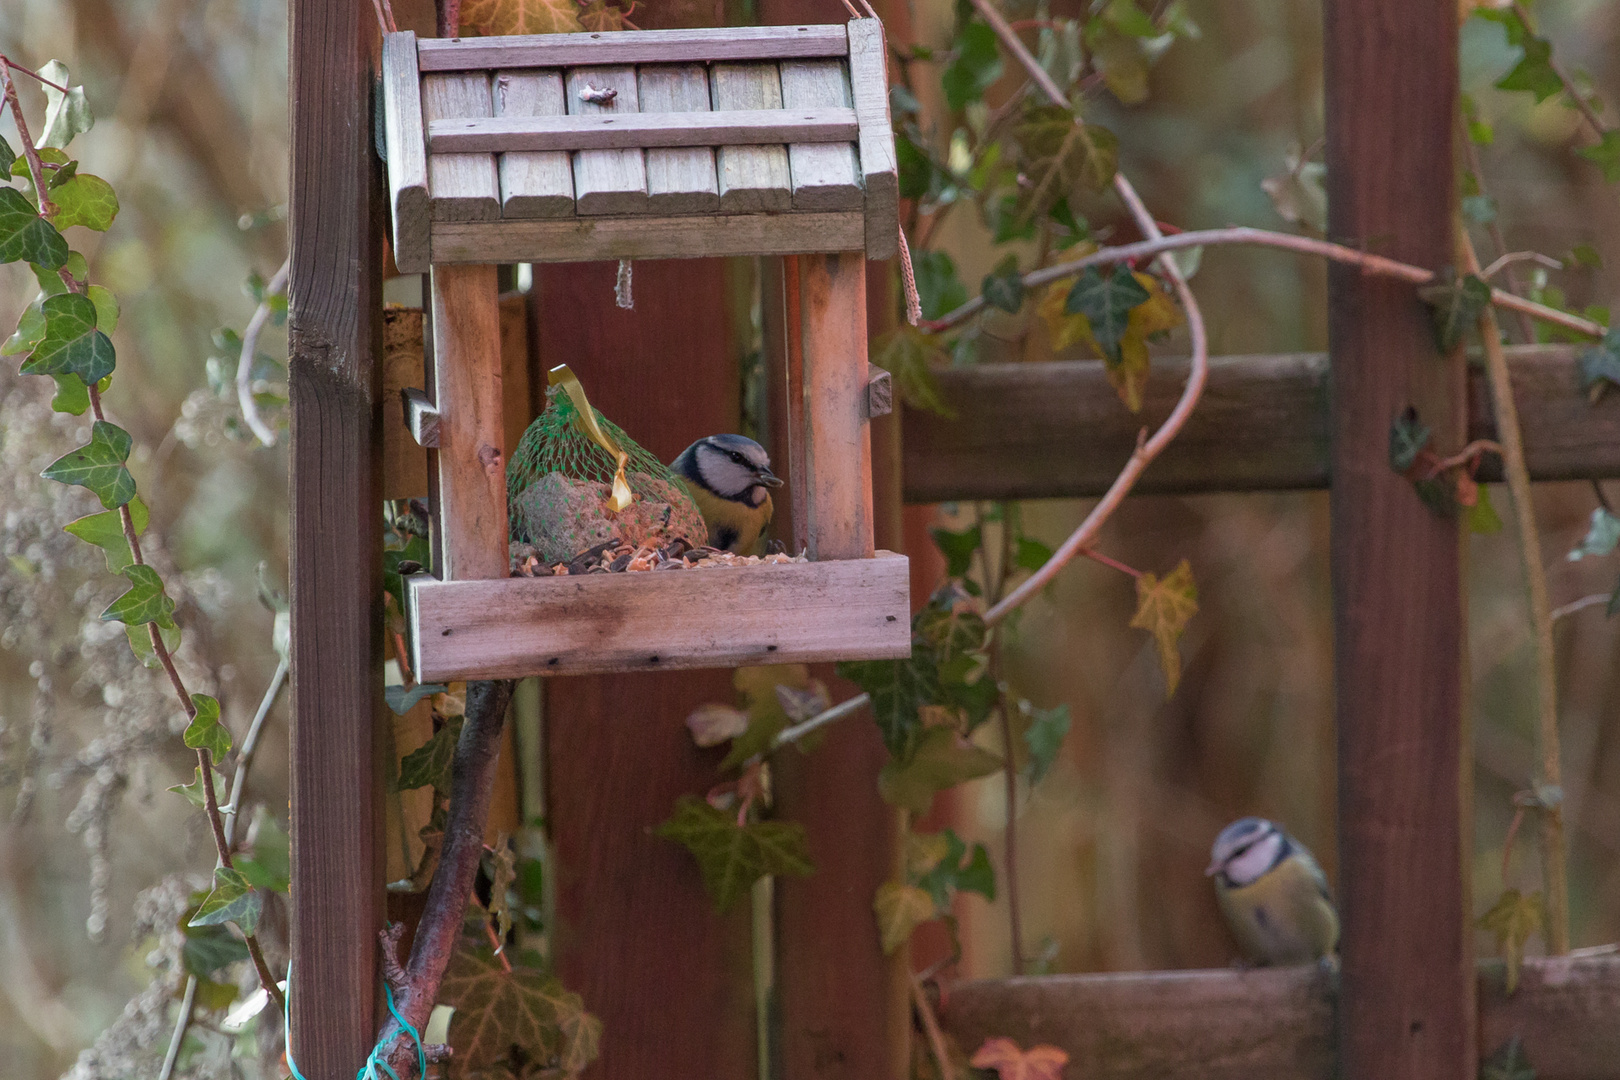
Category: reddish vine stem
<point>127,523</point>
<point>1096,556</point>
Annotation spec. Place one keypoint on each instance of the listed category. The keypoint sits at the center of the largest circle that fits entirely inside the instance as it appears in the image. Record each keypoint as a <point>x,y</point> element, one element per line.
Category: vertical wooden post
<point>471,459</point>
<point>837,477</point>
<point>1407,1004</point>
<point>335,312</point>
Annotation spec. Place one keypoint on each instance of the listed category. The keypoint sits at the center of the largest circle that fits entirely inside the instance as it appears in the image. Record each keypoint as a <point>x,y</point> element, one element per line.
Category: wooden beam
<point>614,131</point>
<point>407,157</point>
<point>633,47</point>
<point>335,542</point>
<point>645,236</point>
<point>1057,430</point>
<point>1277,1023</point>
<point>837,475</point>
<point>421,418</point>
<point>1405,794</point>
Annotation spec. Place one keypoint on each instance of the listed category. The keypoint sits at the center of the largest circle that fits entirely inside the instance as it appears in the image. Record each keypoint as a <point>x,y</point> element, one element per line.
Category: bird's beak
<point>766,477</point>
<point>1213,869</point>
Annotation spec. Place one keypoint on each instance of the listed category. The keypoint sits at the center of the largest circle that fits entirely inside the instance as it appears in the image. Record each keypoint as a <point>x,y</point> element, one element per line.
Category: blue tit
<point>1273,894</point>
<point>727,476</point>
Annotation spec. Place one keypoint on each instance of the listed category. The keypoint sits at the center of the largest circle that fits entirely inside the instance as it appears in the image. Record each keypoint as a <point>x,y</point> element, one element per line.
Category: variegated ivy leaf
<point>67,115</point>
<point>233,899</point>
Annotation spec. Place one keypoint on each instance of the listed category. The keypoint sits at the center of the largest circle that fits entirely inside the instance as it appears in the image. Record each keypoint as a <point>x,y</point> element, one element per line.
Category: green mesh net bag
<point>573,483</point>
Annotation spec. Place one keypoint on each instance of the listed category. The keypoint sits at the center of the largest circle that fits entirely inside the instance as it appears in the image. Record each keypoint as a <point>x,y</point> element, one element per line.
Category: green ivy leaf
<point>30,331</point>
<point>942,759</point>
<point>429,764</point>
<point>897,688</point>
<point>106,531</point>
<point>1507,1062</point>
<point>939,290</point>
<point>98,465</point>
<point>1606,155</point>
<point>140,643</point>
<point>1408,436</point>
<point>917,172</point>
<point>72,343</point>
<point>523,1016</point>
<point>947,872</point>
<point>7,156</point>
<point>194,792</point>
<point>1599,365</point>
<point>1513,918</point>
<point>66,115</point>
<point>233,900</point>
<point>1455,304</point>
<point>1482,516</point>
<point>270,864</point>
<point>732,857</point>
<point>958,548</point>
<point>205,732</point>
<point>1044,737</point>
<point>402,701</point>
<point>1534,71</point>
<point>900,909</point>
<point>909,356</point>
<point>106,305</point>
<point>1031,554</point>
<point>84,200</point>
<point>72,396</point>
<point>1106,302</point>
<point>26,236</point>
<point>209,948</point>
<point>1003,287</point>
<point>1602,536</point>
<point>145,602</point>
<point>978,876</point>
<point>975,68</point>
<point>1057,153</point>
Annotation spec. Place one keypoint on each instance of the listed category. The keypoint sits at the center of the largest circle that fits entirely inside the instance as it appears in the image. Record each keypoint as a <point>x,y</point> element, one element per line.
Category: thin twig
<point>250,746</point>
<point>1009,790</point>
<point>36,76</point>
<point>36,170</point>
<point>1464,456</point>
<point>187,1000</point>
<point>250,349</point>
<point>1376,265</point>
<point>1581,605</point>
<point>1504,261</point>
<point>822,719</point>
<point>1518,478</point>
<point>936,1038</point>
<point>1096,556</point>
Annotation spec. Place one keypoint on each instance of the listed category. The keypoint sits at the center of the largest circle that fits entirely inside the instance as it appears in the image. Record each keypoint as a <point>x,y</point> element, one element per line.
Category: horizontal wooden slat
<point>647,237</point>
<point>1058,430</point>
<point>655,620</point>
<point>1275,1023</point>
<point>632,47</point>
<point>610,131</point>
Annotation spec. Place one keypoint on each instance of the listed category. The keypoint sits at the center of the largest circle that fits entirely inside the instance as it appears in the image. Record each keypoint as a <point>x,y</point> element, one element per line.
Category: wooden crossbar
<point>613,131</point>
<point>632,47</point>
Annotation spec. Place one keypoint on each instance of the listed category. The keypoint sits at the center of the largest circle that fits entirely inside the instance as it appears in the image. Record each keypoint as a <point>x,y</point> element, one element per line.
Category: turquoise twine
<point>368,1071</point>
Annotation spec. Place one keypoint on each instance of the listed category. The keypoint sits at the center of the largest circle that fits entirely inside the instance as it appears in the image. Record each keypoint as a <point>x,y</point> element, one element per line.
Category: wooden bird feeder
<point>646,145</point>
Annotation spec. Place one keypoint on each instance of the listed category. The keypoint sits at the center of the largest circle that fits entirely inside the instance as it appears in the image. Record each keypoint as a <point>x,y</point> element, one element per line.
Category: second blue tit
<point>728,477</point>
<point>1273,894</point>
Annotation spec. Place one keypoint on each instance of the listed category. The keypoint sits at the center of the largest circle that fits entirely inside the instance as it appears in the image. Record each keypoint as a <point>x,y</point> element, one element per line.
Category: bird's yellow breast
<point>733,526</point>
<point>1283,916</point>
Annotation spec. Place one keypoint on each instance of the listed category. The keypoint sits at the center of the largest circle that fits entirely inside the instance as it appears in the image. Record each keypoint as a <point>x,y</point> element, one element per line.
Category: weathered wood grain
<point>1406,1008</point>
<point>421,418</point>
<point>1230,1024</point>
<point>825,172</point>
<point>633,47</point>
<point>646,237</point>
<point>837,473</point>
<point>617,131</point>
<point>607,181</point>
<point>790,613</point>
<point>1032,431</point>
<point>407,154</point>
<point>879,392</point>
<point>463,187</point>
<point>869,83</point>
<point>679,181</point>
<point>336,227</point>
<point>470,505</point>
<point>752,178</point>
<point>534,182</point>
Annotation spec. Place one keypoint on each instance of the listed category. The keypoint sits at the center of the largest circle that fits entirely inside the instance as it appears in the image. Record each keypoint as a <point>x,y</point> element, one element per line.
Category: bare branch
<point>1512,257</point>
<point>820,720</point>
<point>250,347</point>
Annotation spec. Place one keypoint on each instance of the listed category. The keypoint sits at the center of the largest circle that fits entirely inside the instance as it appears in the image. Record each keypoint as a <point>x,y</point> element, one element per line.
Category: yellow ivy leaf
<point>900,909</point>
<point>597,16</point>
<point>491,18</point>
<point>1164,607</point>
<point>1513,918</point>
<point>1154,315</point>
<point>924,851</point>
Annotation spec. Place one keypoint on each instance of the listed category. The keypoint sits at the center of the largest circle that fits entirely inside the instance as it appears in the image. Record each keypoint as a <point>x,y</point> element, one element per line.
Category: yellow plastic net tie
<point>586,419</point>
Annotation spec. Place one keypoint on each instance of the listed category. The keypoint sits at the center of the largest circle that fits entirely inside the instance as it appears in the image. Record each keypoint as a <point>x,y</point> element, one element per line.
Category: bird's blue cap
<point>1234,838</point>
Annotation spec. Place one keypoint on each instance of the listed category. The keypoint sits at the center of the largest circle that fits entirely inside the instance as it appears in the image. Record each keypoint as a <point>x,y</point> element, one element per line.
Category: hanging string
<point>385,16</point>
<point>908,277</point>
<point>854,13</point>
<point>621,287</point>
<point>376,1061</point>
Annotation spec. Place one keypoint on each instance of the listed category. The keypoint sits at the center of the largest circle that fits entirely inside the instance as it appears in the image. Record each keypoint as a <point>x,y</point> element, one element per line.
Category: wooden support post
<point>1405,806</point>
<point>335,309</point>
<point>470,510</point>
<point>837,476</point>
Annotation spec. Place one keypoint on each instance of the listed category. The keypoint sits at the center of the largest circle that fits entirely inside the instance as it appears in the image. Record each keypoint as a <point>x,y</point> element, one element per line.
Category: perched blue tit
<point>1273,894</point>
<point>727,476</point>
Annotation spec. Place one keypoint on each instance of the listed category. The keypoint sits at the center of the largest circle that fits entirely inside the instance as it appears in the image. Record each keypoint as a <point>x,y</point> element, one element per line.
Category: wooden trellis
<point>1406,1005</point>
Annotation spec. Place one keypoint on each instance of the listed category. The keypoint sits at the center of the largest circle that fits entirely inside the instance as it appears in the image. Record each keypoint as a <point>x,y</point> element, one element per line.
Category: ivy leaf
<point>26,236</point>
<point>429,764</point>
<point>495,17</point>
<point>916,168</point>
<point>1600,364</point>
<point>975,68</point>
<point>1513,918</point>
<point>713,723</point>
<point>30,330</point>
<point>909,356</point>
<point>106,531</point>
<point>205,732</point>
<point>209,948</point>
<point>1012,1063</point>
<point>958,548</point>
<point>1031,554</point>
<point>72,344</point>
<point>1106,302</point>
<point>521,1014</point>
<point>145,602</point>
<point>939,290</point>
<point>766,716</point>
<point>1507,1062</point>
<point>1299,194</point>
<point>1408,437</point>
<point>7,156</point>
<point>978,875</point>
<point>900,909</point>
<point>942,759</point>
<point>1606,154</point>
<point>140,643</point>
<point>597,16</point>
<point>270,864</point>
<point>731,857</point>
<point>84,200</point>
<point>1455,305</point>
<point>402,701</point>
<point>948,872</point>
<point>1602,536</point>
<point>502,870</point>
<point>1534,71</point>
<point>1057,153</point>
<point>98,465</point>
<point>897,688</point>
<point>1163,608</point>
<point>1003,287</point>
<point>1482,516</point>
<point>1044,737</point>
<point>233,900</point>
<point>194,793</point>
<point>66,115</point>
<point>106,305</point>
<point>1121,58</point>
